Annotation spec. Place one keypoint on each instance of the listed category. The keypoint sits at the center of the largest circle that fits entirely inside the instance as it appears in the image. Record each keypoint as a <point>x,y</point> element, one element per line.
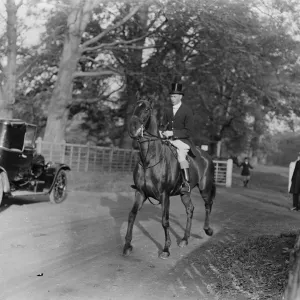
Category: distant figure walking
<point>246,171</point>
<point>295,185</point>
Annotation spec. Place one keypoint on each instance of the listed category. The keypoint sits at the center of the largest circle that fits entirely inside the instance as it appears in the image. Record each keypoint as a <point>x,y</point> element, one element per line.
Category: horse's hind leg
<point>208,195</point>
<point>165,205</point>
<point>139,201</point>
<point>189,207</point>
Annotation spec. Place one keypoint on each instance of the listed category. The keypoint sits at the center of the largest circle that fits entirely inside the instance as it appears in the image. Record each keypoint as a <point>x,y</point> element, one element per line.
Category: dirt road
<point>73,250</point>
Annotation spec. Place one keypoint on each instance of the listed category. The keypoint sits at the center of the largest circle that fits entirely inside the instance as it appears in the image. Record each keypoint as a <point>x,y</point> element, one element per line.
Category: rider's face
<point>175,98</point>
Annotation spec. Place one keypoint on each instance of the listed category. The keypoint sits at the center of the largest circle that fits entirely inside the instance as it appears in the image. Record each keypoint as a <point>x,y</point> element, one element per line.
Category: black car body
<point>23,170</point>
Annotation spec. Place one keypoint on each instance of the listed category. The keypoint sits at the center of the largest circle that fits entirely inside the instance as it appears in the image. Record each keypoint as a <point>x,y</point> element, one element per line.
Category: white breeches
<point>182,150</point>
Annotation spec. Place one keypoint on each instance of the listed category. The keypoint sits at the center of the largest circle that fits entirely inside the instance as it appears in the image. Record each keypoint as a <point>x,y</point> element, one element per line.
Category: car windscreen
<point>30,136</point>
<point>12,135</point>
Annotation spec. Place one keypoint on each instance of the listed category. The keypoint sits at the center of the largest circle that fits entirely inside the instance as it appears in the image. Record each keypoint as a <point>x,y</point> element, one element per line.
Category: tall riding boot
<point>185,188</point>
<point>295,202</point>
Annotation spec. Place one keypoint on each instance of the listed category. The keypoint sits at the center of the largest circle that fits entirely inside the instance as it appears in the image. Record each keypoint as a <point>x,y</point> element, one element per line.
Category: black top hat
<point>176,89</point>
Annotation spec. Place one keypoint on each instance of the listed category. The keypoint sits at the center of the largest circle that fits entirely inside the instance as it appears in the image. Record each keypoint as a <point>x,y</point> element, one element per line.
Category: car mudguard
<point>52,172</point>
<point>5,181</point>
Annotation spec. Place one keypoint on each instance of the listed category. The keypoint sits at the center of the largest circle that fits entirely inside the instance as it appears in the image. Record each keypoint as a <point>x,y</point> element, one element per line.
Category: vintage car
<point>23,171</point>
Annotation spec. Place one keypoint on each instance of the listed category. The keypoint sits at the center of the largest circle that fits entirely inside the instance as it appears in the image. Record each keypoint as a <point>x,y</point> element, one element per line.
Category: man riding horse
<point>157,173</point>
<point>178,122</point>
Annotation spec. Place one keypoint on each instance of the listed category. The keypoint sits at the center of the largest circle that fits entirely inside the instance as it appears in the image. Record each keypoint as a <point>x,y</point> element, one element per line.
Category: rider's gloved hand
<point>167,133</point>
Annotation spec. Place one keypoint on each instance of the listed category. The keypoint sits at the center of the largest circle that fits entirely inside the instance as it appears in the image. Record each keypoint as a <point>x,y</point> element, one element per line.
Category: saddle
<point>174,150</point>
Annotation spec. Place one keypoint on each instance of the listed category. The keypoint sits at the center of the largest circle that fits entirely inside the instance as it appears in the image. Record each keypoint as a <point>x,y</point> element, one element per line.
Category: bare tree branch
<point>89,59</point>
<point>21,73</point>
<point>110,28</point>
<point>133,47</point>
<point>20,4</point>
<point>112,92</point>
<point>100,72</point>
<point>123,42</point>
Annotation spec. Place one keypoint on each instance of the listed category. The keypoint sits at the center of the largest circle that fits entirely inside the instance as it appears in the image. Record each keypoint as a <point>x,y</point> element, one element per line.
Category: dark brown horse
<point>157,175</point>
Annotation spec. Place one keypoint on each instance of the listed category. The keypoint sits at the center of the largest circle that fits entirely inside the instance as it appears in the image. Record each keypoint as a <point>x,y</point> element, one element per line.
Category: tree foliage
<point>238,61</point>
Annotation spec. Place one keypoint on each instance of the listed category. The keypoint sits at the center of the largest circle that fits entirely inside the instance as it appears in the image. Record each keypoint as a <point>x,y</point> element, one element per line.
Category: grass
<point>256,267</point>
<point>100,182</point>
<point>270,178</point>
<point>279,170</point>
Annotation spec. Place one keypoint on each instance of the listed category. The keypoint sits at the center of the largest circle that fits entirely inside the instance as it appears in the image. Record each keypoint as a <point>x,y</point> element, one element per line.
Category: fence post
<point>229,172</point>
<point>87,157</point>
<point>71,156</point>
<point>38,143</point>
<point>79,158</point>
<point>63,151</point>
<point>95,159</point>
<point>51,152</point>
<point>216,175</point>
<point>111,156</point>
<point>291,171</point>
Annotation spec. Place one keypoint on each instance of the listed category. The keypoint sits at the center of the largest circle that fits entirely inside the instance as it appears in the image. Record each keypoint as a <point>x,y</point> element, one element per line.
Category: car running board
<point>26,193</point>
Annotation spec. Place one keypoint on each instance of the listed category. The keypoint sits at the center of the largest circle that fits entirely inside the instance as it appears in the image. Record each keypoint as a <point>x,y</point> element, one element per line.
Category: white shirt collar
<point>175,107</point>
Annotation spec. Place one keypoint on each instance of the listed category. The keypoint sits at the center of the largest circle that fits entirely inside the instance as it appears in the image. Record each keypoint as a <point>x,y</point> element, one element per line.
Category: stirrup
<point>185,187</point>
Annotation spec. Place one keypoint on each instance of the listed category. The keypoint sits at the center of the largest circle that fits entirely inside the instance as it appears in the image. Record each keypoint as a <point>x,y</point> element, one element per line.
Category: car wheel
<point>1,189</point>
<point>59,191</point>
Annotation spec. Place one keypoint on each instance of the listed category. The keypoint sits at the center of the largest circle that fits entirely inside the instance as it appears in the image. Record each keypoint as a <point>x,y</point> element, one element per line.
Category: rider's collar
<point>177,105</point>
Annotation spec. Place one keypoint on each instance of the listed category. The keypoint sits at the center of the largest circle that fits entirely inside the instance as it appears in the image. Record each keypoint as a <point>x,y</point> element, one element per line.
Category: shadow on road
<point>9,201</point>
<point>120,209</point>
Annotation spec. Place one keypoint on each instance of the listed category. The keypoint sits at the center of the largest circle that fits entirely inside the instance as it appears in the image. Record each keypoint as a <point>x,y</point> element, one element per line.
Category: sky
<point>35,22</point>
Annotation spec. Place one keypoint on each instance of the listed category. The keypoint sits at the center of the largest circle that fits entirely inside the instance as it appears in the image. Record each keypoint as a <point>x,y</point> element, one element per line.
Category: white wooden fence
<point>223,172</point>
<point>87,158</point>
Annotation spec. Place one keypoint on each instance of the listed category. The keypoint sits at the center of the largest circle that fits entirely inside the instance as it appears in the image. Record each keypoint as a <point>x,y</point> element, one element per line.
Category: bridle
<point>145,135</point>
<point>148,137</point>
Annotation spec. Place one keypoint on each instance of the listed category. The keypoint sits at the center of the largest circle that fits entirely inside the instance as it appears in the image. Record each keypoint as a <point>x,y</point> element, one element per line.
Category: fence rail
<point>87,158</point>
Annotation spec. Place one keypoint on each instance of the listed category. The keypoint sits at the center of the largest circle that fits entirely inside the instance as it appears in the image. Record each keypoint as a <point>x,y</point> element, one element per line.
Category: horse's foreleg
<point>207,196</point>
<point>189,207</point>
<point>165,205</point>
<point>139,201</point>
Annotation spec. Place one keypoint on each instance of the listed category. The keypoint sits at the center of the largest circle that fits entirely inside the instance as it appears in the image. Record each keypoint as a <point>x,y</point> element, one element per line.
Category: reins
<point>149,137</point>
<point>148,140</point>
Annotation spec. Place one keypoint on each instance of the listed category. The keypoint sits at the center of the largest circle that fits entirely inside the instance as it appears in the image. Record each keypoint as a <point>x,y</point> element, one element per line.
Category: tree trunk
<point>8,88</point>
<point>62,93</point>
<point>292,291</point>
<point>219,148</point>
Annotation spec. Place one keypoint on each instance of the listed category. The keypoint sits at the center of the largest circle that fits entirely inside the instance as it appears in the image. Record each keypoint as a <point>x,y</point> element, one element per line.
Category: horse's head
<point>141,118</point>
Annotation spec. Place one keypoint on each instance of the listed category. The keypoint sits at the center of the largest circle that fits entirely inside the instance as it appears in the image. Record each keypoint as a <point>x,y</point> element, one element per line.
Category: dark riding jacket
<point>245,169</point>
<point>295,186</point>
<point>182,124</point>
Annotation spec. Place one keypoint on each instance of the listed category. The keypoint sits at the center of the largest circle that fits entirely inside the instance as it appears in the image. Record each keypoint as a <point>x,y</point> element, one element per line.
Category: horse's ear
<point>152,99</point>
<point>137,95</point>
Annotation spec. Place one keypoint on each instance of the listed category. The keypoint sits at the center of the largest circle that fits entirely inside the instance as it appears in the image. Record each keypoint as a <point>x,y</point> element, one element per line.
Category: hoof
<point>209,231</point>
<point>183,243</point>
<point>127,250</point>
<point>164,255</point>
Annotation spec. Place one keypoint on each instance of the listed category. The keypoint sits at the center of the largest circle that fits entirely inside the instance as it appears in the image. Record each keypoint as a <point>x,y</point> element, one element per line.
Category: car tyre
<point>1,189</point>
<point>59,190</point>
